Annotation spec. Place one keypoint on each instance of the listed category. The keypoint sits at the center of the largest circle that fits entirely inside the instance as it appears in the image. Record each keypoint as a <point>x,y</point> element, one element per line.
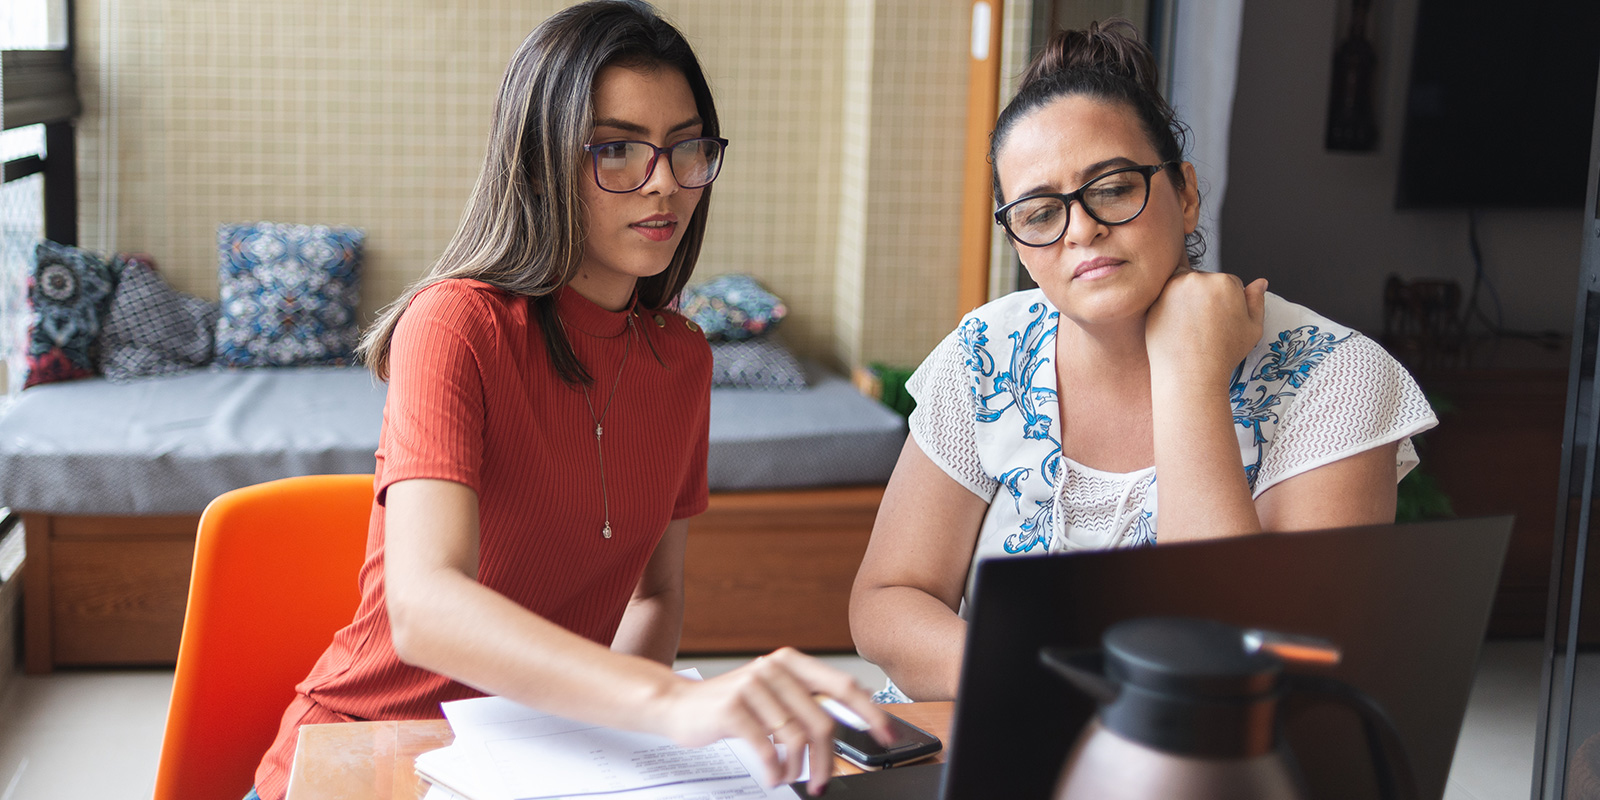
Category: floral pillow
<point>759,363</point>
<point>732,307</point>
<point>69,292</point>
<point>152,329</point>
<point>289,294</point>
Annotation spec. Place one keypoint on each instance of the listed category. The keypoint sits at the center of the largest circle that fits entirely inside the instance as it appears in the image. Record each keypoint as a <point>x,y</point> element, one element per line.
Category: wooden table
<point>372,760</point>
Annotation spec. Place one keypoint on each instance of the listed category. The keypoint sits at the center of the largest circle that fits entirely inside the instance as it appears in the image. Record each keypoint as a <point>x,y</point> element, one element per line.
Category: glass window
<point>33,24</point>
<point>21,225</point>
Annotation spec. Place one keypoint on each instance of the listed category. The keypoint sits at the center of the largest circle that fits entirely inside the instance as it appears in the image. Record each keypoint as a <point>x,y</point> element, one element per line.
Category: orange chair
<point>274,576</point>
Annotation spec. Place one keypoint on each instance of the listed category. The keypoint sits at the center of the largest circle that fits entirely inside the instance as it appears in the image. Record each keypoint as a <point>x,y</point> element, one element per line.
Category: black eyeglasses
<point>622,167</point>
<point>1117,197</point>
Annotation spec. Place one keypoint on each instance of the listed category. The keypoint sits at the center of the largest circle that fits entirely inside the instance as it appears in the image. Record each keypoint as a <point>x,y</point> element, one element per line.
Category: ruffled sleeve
<point>945,420</point>
<point>1358,398</point>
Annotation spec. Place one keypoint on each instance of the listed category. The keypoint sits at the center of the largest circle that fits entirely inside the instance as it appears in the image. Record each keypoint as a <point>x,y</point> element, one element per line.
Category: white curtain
<point>1205,70</point>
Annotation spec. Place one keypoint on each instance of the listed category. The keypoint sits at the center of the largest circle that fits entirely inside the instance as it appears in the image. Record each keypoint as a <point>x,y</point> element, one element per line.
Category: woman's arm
<point>1356,490</point>
<point>445,621</point>
<point>654,620</point>
<point>903,605</point>
<point>1208,496</point>
<point>1197,332</point>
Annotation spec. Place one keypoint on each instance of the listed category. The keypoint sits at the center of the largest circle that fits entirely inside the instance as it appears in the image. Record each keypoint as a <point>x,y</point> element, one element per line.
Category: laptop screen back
<point>1408,605</point>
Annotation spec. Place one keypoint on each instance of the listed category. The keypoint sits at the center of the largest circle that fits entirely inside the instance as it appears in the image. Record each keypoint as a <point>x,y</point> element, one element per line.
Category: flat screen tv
<point>1499,104</point>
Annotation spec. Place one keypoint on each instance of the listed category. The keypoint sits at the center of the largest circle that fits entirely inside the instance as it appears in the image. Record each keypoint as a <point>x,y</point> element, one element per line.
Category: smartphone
<point>911,743</point>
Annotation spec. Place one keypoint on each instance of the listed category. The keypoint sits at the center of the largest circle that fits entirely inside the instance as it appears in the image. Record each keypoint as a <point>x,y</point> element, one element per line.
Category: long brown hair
<point>523,227</point>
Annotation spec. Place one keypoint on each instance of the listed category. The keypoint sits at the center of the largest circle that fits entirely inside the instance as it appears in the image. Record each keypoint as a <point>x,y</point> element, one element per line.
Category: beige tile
<point>1494,753</point>
<point>82,735</point>
<point>840,196</point>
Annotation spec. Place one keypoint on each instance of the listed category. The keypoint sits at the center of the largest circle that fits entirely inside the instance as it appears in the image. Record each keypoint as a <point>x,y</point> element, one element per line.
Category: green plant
<point>1419,498</point>
<point>894,394</point>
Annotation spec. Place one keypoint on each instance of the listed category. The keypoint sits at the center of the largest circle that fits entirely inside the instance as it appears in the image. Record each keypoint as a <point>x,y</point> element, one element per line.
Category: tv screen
<point>1500,104</point>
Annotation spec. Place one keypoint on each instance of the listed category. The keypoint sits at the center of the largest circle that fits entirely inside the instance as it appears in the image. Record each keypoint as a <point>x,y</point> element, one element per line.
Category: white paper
<point>437,792</point>
<point>506,751</point>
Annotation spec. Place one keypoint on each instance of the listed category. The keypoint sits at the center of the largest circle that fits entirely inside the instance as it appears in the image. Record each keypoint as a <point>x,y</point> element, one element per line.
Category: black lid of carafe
<point>1191,687</point>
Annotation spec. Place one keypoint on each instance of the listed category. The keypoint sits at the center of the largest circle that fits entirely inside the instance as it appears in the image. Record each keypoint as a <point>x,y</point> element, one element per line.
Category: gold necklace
<point>599,429</point>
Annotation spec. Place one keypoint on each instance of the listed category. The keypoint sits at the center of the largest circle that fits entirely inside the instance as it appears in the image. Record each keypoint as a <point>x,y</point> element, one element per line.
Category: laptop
<point>1407,604</point>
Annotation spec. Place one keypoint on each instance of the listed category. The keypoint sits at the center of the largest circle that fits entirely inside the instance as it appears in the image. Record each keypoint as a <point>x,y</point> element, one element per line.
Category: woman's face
<point>1096,273</point>
<point>634,235</point>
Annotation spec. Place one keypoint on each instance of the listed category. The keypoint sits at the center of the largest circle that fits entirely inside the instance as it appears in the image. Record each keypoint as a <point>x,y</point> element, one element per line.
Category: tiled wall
<point>841,190</point>
<point>919,98</point>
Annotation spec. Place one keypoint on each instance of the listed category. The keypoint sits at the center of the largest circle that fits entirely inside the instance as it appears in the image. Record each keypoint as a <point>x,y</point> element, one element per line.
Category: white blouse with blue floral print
<point>1309,393</point>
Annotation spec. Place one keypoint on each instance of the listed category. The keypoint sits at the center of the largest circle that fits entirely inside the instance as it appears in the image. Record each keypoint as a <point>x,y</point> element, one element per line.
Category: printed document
<point>507,751</point>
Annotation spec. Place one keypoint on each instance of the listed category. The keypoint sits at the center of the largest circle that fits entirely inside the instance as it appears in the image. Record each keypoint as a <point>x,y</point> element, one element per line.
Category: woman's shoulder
<point>462,292</point>
<point>1027,311</point>
<point>1295,341</point>
<point>1283,317</point>
<point>678,335</point>
<point>1294,332</point>
<point>1019,305</point>
<point>471,308</point>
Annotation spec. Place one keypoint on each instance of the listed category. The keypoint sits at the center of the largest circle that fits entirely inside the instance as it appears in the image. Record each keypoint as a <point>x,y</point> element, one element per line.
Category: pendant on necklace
<point>597,431</point>
<point>606,531</point>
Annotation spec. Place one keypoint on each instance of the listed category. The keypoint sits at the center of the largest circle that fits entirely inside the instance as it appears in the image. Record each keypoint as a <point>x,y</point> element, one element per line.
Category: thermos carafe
<point>1191,709</point>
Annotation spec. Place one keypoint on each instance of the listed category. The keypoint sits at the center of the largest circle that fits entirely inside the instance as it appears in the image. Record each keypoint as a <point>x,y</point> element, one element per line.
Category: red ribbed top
<point>473,399</point>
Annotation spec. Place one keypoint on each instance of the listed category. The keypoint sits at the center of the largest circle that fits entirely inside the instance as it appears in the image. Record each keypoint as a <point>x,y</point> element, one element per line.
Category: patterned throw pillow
<point>732,307</point>
<point>69,292</point>
<point>289,294</point>
<point>759,363</point>
<point>153,329</point>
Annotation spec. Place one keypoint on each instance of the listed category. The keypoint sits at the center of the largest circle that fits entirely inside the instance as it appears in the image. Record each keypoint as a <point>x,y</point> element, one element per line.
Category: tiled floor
<point>97,735</point>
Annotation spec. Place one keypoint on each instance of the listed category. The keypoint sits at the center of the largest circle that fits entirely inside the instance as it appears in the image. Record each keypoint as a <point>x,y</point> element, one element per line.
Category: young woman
<point>544,441</point>
<point>1044,419</point>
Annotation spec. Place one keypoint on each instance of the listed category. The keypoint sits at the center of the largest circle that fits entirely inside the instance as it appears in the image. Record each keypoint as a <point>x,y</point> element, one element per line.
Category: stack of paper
<point>506,751</point>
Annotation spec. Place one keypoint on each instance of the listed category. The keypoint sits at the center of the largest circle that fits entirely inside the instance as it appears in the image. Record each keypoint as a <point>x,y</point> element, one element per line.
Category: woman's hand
<point>1203,325</point>
<point>1197,332</point>
<point>774,694</point>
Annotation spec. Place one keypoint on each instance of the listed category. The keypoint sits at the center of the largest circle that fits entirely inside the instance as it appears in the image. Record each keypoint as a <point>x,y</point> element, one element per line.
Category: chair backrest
<point>275,569</point>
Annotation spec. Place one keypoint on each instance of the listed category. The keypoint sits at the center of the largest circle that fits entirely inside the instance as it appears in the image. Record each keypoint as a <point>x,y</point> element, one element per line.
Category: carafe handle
<point>1396,780</point>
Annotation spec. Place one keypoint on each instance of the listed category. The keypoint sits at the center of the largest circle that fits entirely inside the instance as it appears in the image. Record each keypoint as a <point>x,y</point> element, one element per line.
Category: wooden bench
<point>110,479</point>
<point>763,569</point>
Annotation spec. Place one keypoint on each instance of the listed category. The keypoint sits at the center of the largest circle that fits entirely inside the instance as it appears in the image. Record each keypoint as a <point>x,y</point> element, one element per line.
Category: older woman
<point>1045,418</point>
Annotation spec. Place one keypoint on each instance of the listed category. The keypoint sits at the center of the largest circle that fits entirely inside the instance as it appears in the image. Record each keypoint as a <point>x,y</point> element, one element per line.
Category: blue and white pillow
<point>69,292</point>
<point>289,294</point>
<point>732,307</point>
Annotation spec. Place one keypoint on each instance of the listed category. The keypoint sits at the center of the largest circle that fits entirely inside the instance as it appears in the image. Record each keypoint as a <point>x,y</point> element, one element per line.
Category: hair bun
<point>1110,47</point>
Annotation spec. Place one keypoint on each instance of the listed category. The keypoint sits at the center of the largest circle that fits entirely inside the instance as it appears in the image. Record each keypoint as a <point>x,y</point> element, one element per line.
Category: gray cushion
<point>827,434</point>
<point>152,328</point>
<point>169,445</point>
<point>759,363</point>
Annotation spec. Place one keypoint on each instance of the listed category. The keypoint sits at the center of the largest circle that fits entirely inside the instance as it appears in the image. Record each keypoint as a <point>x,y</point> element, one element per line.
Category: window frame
<point>41,87</point>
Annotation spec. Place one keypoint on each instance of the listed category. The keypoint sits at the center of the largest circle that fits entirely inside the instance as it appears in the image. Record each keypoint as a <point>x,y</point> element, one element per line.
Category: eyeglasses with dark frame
<point>1115,198</point>
<point>625,166</point>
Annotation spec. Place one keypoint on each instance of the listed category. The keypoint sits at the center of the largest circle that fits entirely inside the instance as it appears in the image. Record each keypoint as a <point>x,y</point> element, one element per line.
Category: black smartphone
<point>911,743</point>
